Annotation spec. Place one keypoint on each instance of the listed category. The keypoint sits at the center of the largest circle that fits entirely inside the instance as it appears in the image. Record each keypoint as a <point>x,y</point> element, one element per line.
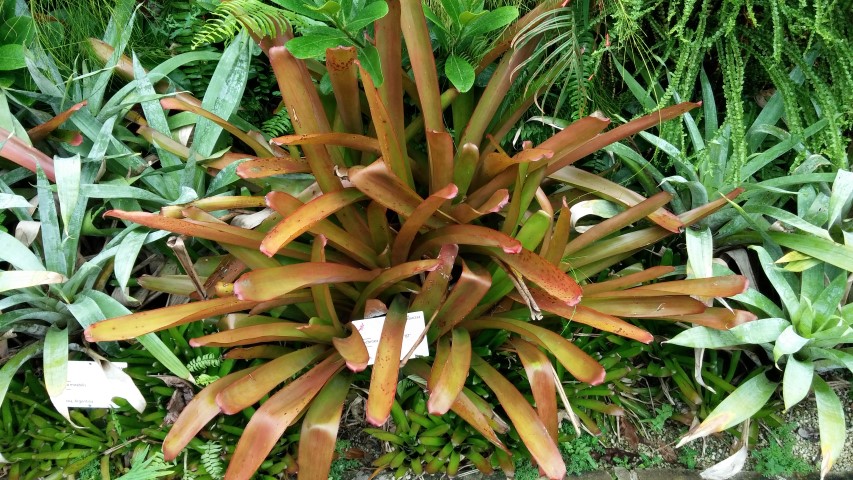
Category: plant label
<point>91,385</point>
<point>371,331</point>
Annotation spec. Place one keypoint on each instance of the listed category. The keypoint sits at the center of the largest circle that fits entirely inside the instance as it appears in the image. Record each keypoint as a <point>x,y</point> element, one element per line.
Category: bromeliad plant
<point>467,234</point>
<point>807,334</point>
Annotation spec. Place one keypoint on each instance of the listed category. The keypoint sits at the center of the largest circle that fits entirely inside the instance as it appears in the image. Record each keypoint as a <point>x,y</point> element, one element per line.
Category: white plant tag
<point>371,332</point>
<point>90,385</point>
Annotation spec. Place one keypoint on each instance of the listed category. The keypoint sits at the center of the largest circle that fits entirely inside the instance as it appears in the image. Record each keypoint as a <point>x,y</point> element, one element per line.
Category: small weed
<point>524,470</point>
<point>578,454</point>
<point>687,457</point>
<point>341,464</point>
<point>663,414</point>
<point>649,461</point>
<point>778,459</point>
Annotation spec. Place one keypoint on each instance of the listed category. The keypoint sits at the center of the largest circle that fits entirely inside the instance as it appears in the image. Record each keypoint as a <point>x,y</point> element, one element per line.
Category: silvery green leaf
<point>788,342</point>
<point>797,381</point>
<point>833,428</point>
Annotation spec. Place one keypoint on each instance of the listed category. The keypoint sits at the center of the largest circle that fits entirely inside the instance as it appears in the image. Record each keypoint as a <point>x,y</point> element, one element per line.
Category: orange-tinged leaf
<point>586,316</point>
<point>543,273</point>
<point>349,140</point>
<point>386,368</point>
<point>465,166</point>
<point>286,205</point>
<point>273,417</point>
<point>575,135</point>
<point>201,409</point>
<point>439,361</point>
<point>619,133</point>
<point>645,307</point>
<point>496,162</point>
<point>450,382</point>
<point>434,287</point>
<point>714,317</point>
<point>306,216</point>
<point>209,204</point>
<point>392,144</point>
<point>540,374</point>
<point>413,224</point>
<point>626,281</point>
<point>259,351</point>
<point>578,363</point>
<point>248,390</point>
<point>218,233</point>
<point>390,277</point>
<point>465,213</point>
<point>416,35</point>
<point>726,286</point>
<point>147,321</point>
<point>466,235</point>
<point>692,216</point>
<point>553,251</point>
<point>321,294</point>
<point>269,332</point>
<point>472,286</point>
<point>267,167</point>
<point>172,103</point>
<point>270,283</point>
<point>440,150</point>
<point>16,150</point>
<point>530,428</point>
<point>320,429</point>
<point>378,183</point>
<point>638,206</point>
<point>42,130</point>
<point>308,117</point>
<point>352,349</point>
<point>340,63</point>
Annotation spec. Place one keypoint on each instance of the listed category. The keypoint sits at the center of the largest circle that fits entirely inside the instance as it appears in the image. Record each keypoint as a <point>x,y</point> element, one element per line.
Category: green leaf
<point>797,381</point>
<point>223,93</point>
<point>56,366</point>
<point>495,20</point>
<point>13,364</point>
<point>67,186</point>
<point>12,57</point>
<point>366,16</point>
<point>743,403</point>
<point>636,89</point>
<point>125,258</point>
<point>830,252</point>
<point>460,73</point>
<point>368,57</point>
<point>329,8</point>
<point>833,429</point>
<point>756,332</point>
<point>107,190</point>
<point>51,238</point>
<point>19,256</point>
<point>315,45</point>
<point>842,196</point>
<point>789,342</point>
<point>780,283</point>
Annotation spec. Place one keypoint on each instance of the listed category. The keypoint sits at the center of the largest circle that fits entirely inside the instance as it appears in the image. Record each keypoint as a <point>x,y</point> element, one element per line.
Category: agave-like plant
<point>466,234</point>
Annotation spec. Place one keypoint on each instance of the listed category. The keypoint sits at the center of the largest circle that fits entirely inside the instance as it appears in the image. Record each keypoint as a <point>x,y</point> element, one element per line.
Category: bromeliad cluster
<point>475,238</point>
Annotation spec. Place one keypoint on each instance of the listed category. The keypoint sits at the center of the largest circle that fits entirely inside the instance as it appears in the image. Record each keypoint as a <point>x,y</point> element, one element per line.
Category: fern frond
<point>259,18</point>
<point>211,460</point>
<point>277,125</point>
<point>208,360</point>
